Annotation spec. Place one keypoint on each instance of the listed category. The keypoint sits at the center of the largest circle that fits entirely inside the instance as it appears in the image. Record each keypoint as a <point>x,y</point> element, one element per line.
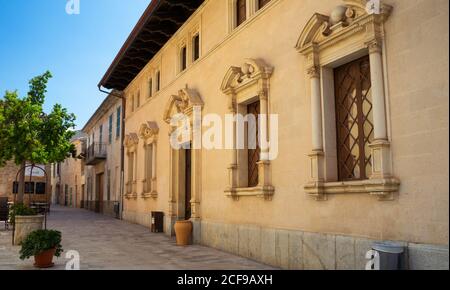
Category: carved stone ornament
<point>131,140</point>
<point>249,73</point>
<point>148,130</point>
<point>182,103</point>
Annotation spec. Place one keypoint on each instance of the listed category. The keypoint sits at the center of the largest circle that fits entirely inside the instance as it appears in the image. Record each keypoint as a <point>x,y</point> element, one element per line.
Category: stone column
<point>264,173</point>
<point>153,181</point>
<point>378,97</point>
<point>380,147</point>
<point>316,109</point>
<point>232,169</point>
<point>317,157</point>
<point>263,126</point>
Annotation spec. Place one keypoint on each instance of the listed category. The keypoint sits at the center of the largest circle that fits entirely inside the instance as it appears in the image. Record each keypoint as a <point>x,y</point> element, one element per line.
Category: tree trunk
<point>21,191</point>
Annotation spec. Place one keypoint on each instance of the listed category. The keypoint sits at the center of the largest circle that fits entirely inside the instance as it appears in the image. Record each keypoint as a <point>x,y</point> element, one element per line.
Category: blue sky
<point>38,35</point>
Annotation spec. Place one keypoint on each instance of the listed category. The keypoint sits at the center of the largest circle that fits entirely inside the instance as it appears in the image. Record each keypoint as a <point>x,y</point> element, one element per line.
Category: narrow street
<point>110,244</point>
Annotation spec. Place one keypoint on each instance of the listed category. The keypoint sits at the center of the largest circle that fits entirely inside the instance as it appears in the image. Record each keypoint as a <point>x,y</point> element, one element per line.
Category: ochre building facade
<point>361,95</point>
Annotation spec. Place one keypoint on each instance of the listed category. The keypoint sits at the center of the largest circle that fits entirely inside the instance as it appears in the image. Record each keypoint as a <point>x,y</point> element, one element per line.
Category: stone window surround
<point>131,144</point>
<point>184,102</point>
<point>243,85</point>
<point>252,9</point>
<point>356,33</point>
<point>136,87</point>
<point>186,40</point>
<point>183,43</point>
<point>149,134</point>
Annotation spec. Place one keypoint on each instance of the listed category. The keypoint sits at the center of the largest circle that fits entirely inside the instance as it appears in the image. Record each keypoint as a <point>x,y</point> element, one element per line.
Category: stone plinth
<point>24,225</point>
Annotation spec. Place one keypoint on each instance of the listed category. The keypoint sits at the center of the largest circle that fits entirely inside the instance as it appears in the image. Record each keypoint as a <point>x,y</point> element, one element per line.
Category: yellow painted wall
<point>417,67</point>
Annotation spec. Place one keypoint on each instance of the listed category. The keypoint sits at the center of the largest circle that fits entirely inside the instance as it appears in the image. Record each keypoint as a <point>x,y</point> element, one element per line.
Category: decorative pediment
<point>183,103</point>
<point>131,140</point>
<point>148,130</point>
<point>249,73</point>
<point>344,20</point>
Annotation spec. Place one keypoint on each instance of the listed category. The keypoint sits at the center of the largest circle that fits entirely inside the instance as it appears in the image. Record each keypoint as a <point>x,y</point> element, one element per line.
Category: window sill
<point>153,194</point>
<point>265,192</point>
<point>131,196</point>
<point>383,189</point>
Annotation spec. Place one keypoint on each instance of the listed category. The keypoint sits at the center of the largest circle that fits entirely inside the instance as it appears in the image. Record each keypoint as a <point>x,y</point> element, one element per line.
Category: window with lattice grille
<point>354,122</point>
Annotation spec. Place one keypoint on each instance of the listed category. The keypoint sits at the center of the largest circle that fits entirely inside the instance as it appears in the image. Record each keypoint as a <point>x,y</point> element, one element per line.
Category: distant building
<point>36,184</point>
<point>102,158</point>
<point>68,176</point>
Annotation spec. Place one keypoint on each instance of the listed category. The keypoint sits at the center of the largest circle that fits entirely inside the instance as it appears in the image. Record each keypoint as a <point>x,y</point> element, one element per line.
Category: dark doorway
<point>66,195</point>
<point>99,187</point>
<point>188,184</point>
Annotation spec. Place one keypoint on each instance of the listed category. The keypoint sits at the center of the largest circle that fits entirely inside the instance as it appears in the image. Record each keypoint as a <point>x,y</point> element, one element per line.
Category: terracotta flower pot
<point>183,232</point>
<point>45,259</point>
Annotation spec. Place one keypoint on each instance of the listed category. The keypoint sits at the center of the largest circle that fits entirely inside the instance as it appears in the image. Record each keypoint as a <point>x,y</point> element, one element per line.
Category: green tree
<point>28,134</point>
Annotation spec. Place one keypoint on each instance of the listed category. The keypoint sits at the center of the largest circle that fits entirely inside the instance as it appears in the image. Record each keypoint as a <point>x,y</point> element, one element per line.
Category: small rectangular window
<point>183,58</point>
<point>150,87</point>
<point>262,3</point>
<point>110,129</point>
<point>15,187</point>
<point>29,187</point>
<point>119,122</point>
<point>138,99</point>
<point>132,103</point>
<point>40,188</point>
<point>158,81</point>
<point>196,47</point>
<point>100,140</point>
<point>241,12</point>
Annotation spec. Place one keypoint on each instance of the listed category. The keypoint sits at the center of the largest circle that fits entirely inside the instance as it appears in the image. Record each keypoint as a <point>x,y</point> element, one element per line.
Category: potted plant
<point>43,245</point>
<point>183,232</point>
<point>24,220</point>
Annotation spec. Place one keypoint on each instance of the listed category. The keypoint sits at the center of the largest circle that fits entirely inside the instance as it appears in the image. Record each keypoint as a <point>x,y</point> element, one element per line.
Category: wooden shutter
<point>196,46</point>
<point>241,13</point>
<point>254,154</point>
<point>183,58</point>
<point>354,122</point>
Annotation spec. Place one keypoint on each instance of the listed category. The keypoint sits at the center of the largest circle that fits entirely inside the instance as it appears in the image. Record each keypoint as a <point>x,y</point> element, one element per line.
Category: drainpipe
<point>122,149</point>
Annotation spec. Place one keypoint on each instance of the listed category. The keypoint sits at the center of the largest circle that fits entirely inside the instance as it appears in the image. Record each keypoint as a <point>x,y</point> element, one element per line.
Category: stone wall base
<point>297,250</point>
<point>107,207</point>
<point>144,219</point>
<point>288,249</point>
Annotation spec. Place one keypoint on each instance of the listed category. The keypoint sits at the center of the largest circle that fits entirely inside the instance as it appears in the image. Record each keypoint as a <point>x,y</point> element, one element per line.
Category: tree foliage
<point>27,133</point>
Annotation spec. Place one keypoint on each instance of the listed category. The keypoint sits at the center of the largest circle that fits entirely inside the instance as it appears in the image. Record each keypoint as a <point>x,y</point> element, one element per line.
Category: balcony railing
<point>95,153</point>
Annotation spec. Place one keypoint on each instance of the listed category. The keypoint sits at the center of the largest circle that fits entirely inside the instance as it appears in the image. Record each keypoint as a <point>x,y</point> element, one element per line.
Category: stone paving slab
<point>110,244</point>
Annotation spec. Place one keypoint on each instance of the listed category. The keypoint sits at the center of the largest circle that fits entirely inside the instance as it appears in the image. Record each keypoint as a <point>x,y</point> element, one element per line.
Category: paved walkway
<point>106,243</point>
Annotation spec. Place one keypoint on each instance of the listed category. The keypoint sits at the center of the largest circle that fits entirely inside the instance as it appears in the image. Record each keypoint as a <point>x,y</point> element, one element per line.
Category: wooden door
<point>99,202</point>
<point>253,153</point>
<point>188,184</point>
<point>354,122</point>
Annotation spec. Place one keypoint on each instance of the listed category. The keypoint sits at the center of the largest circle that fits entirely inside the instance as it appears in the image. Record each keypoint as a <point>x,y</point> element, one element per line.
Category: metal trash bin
<point>117,209</point>
<point>391,255</point>
<point>157,222</point>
